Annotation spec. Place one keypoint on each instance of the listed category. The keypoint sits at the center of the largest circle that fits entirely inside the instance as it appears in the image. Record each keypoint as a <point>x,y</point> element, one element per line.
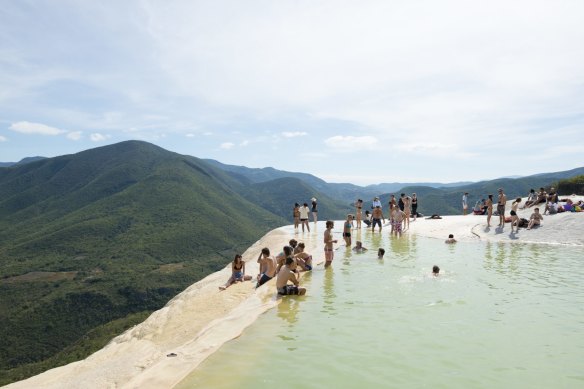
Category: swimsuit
<point>238,275</point>
<point>513,213</point>
<point>263,279</point>
<point>327,250</point>
<point>288,290</point>
<point>376,221</point>
<point>346,235</point>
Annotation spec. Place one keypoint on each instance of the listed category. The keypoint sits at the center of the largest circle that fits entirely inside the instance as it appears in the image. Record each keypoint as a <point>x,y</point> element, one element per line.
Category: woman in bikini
<point>328,243</point>
<point>358,207</point>
<point>303,258</point>
<point>237,272</point>
<point>296,215</point>
<point>347,230</point>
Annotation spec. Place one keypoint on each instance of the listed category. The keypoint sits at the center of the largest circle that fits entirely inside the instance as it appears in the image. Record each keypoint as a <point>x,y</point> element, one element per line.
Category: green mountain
<point>439,198</point>
<point>21,162</point>
<point>345,192</point>
<point>91,243</point>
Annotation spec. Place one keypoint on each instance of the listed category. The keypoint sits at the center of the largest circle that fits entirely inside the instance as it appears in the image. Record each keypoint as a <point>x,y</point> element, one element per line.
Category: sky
<point>350,91</point>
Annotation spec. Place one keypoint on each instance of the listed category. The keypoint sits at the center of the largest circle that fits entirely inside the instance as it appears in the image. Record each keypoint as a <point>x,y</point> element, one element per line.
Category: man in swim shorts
<point>267,267</point>
<point>377,216</point>
<point>398,217</point>
<point>502,200</point>
<point>286,274</point>
<point>329,252</point>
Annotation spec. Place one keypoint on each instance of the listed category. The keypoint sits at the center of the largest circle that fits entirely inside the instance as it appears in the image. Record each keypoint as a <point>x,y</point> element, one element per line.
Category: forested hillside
<point>92,242</point>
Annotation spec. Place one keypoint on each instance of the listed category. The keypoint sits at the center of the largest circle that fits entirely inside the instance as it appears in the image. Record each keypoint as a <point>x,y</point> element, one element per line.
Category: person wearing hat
<point>502,200</point>
<point>376,202</point>
<point>314,209</point>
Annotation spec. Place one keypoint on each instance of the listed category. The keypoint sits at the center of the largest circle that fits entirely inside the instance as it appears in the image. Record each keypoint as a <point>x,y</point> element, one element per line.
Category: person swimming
<point>435,270</point>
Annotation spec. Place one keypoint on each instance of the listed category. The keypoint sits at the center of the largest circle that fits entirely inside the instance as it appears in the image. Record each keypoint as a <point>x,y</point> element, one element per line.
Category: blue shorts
<point>376,221</point>
<point>238,275</point>
<point>263,279</point>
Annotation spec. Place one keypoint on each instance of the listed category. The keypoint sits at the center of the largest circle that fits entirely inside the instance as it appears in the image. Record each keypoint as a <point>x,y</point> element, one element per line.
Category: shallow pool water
<point>499,315</point>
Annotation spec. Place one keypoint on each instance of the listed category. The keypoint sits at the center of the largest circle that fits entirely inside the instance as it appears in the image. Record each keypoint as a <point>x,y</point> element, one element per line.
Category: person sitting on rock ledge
<point>303,259</point>
<point>286,274</point>
<point>534,219</point>
<point>237,272</point>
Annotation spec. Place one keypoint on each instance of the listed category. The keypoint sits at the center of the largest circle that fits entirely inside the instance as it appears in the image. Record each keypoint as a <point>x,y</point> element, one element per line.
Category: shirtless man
<point>286,274</point>
<point>376,218</point>
<point>435,271</point>
<point>535,219</point>
<point>398,217</point>
<point>329,252</point>
<point>502,200</point>
<point>450,239</point>
<point>267,267</point>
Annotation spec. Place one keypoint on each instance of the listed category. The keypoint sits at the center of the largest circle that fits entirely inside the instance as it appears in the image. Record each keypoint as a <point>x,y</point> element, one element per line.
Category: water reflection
<point>288,310</point>
<point>329,295</point>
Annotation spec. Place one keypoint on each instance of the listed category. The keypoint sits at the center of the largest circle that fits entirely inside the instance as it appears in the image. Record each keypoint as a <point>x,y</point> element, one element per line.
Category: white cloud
<point>35,128</point>
<point>245,143</point>
<point>226,145</point>
<point>97,137</point>
<point>288,134</point>
<point>3,139</point>
<point>190,135</point>
<point>351,143</point>
<point>74,135</point>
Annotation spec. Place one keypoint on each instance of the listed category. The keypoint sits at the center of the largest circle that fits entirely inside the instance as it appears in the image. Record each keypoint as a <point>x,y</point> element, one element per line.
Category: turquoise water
<point>500,315</point>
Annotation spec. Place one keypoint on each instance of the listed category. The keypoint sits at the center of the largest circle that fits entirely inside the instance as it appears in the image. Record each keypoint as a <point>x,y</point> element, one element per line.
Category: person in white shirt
<point>304,210</point>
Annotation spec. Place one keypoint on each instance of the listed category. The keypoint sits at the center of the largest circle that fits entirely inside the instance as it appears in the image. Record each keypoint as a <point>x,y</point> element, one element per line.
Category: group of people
<point>399,214</point>
<point>286,266</point>
<point>486,207</point>
<point>301,214</point>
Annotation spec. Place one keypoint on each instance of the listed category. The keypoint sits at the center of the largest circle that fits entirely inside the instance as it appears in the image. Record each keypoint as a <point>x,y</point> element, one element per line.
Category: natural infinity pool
<point>501,316</point>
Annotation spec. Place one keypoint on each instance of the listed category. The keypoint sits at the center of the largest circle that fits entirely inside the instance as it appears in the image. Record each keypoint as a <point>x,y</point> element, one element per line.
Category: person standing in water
<point>358,207</point>
<point>296,215</point>
<point>347,230</point>
<point>464,203</point>
<point>376,219</point>
<point>304,216</point>
<point>314,209</point>
<point>407,212</point>
<point>329,252</point>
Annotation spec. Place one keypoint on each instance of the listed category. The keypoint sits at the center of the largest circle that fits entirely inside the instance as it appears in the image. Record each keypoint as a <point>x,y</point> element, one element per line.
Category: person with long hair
<point>237,272</point>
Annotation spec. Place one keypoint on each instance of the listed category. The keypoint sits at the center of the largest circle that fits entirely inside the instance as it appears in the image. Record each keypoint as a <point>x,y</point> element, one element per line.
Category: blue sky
<point>351,91</point>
